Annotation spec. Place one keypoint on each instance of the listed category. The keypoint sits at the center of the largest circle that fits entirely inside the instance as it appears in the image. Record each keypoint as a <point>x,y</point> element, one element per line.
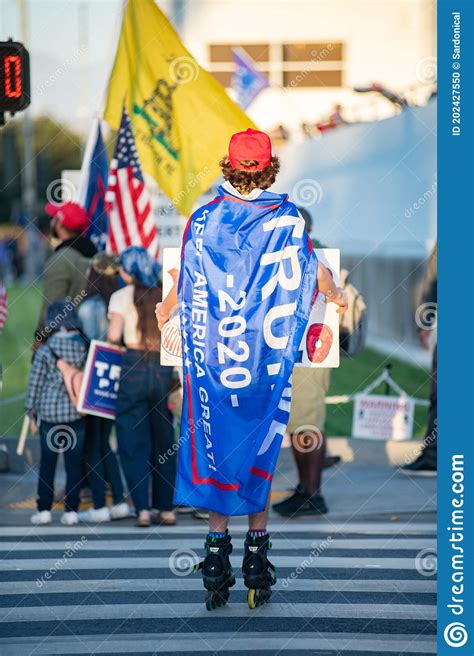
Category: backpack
<point>353,323</point>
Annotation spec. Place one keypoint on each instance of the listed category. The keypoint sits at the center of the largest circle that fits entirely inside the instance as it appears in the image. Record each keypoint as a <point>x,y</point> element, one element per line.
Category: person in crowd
<point>49,406</point>
<point>427,464</point>
<point>102,281</point>
<point>243,315</point>
<point>144,424</point>
<point>101,462</point>
<point>306,428</point>
<point>65,274</point>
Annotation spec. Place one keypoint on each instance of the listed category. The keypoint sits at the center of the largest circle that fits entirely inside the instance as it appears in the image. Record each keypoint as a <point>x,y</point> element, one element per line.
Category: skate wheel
<point>210,601</point>
<point>252,598</point>
<point>216,599</point>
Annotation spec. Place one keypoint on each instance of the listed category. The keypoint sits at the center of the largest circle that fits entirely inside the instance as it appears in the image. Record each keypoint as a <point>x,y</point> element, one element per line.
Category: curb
<point>381,453</point>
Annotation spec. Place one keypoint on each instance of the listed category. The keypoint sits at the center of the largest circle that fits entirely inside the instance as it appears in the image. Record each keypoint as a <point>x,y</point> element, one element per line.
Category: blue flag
<point>93,187</point>
<point>246,287</point>
<point>247,82</point>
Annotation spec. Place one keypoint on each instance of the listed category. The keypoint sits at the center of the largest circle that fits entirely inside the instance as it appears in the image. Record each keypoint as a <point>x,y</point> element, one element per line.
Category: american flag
<point>127,200</point>
<point>3,306</point>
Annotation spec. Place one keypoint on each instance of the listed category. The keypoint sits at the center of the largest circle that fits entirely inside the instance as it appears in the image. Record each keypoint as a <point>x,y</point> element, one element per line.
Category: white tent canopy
<point>370,187</point>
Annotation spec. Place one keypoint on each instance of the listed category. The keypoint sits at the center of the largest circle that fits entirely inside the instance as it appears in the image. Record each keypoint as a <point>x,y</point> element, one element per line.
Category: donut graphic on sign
<point>171,337</point>
<point>319,340</point>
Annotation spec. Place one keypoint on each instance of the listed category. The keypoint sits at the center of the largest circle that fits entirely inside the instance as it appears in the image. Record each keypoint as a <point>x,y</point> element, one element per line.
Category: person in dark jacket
<point>65,273</point>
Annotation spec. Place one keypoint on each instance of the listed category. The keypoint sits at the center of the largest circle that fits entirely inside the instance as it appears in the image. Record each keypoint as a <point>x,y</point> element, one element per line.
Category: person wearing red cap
<point>246,287</point>
<point>65,273</point>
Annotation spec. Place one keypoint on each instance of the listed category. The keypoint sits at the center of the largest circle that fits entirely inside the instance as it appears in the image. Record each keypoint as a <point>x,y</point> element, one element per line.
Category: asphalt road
<point>345,587</point>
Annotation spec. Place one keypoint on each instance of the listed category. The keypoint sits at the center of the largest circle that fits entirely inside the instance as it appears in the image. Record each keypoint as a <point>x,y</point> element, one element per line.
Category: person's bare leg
<point>258,521</point>
<point>309,451</point>
<point>218,523</point>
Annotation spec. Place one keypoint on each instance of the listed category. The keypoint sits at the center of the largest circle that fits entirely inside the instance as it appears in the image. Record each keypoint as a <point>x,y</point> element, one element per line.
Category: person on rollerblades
<point>247,281</point>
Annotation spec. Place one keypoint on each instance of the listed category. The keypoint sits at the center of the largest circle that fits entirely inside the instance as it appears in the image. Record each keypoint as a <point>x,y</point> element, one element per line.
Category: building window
<point>293,65</point>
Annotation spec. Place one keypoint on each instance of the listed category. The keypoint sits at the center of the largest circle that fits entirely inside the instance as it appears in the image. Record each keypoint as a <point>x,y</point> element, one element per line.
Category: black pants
<point>145,431</point>
<point>67,439</point>
<point>102,463</point>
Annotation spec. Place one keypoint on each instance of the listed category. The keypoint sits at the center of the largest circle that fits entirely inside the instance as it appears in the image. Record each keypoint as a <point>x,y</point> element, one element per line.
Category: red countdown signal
<point>14,77</point>
<point>12,72</point>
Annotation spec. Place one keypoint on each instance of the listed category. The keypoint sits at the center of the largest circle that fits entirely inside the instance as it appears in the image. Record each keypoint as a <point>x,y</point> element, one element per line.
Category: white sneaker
<point>95,515</point>
<point>120,511</point>
<point>70,518</point>
<point>41,517</point>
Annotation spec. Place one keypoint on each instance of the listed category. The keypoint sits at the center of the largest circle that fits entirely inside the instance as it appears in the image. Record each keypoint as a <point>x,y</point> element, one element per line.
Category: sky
<point>71,46</point>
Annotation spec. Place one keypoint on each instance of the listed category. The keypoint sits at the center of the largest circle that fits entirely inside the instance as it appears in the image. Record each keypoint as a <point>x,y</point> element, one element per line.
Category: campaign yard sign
<point>383,417</point>
<point>99,390</point>
<point>320,345</point>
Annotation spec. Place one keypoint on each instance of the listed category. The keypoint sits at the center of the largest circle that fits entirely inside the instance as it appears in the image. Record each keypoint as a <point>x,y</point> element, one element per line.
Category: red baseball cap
<point>71,215</point>
<point>251,144</point>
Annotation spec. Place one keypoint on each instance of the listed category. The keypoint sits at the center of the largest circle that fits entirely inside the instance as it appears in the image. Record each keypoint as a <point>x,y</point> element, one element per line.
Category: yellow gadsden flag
<point>182,118</point>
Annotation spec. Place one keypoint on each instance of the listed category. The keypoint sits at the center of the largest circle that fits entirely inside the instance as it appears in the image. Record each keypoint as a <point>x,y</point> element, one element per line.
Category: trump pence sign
<point>99,389</point>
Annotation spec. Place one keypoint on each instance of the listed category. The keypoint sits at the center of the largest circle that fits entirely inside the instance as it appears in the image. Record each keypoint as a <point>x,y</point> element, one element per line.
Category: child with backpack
<point>50,407</point>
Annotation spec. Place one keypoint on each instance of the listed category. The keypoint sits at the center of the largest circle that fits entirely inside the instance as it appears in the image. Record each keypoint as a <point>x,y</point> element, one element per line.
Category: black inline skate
<point>259,573</point>
<point>217,573</point>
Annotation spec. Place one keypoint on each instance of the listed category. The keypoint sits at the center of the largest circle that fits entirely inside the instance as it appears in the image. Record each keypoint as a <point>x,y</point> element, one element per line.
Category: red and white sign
<point>320,343</point>
<point>383,417</point>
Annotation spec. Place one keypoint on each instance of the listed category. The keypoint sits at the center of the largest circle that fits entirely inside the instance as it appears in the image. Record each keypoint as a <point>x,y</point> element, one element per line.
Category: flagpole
<point>83,182</point>
<point>86,160</point>
<point>112,53</point>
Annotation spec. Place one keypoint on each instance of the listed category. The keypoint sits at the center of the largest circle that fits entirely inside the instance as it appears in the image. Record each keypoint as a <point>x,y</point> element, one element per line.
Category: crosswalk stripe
<point>287,526</point>
<point>185,584</point>
<point>336,643</point>
<point>195,583</point>
<point>308,562</point>
<point>173,611</point>
<point>163,544</point>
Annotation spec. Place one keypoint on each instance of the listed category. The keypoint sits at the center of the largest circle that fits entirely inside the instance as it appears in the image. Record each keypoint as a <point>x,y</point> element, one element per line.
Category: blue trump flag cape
<point>246,286</point>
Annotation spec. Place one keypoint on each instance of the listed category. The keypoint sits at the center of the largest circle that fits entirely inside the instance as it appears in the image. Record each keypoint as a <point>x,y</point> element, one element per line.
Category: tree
<point>56,147</point>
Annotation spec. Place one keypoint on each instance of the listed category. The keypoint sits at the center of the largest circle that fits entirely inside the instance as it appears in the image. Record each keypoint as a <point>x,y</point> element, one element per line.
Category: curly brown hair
<point>246,181</point>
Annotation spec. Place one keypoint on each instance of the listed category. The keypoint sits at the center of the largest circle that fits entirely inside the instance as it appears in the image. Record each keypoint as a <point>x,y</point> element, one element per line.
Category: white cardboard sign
<point>320,344</point>
<point>170,347</point>
<point>381,417</point>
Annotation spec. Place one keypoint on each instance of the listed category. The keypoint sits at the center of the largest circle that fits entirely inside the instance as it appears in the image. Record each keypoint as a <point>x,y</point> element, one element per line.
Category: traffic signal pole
<point>29,199</point>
